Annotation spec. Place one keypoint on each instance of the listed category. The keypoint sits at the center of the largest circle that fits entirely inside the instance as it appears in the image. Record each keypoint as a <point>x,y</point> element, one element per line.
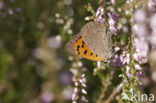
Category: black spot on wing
<point>83,42</point>
<point>78,46</point>
<point>85,52</point>
<point>91,53</point>
<point>82,46</point>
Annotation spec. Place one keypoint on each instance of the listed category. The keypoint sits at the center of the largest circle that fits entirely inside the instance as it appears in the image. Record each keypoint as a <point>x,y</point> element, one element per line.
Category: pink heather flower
<point>18,10</point>
<point>128,72</point>
<point>39,53</point>
<point>153,39</point>
<point>11,12</point>
<point>140,58</point>
<point>141,45</point>
<point>111,22</point>
<point>126,57</point>
<point>152,5</point>
<point>113,16</point>
<point>117,49</point>
<point>84,100</point>
<point>74,96</point>
<point>140,74</point>
<point>140,30</point>
<point>65,78</point>
<point>113,19</point>
<point>114,30</point>
<point>140,16</point>
<point>98,64</point>
<point>47,97</point>
<point>55,42</point>
<point>67,93</point>
<point>116,61</point>
<point>153,22</point>
<point>138,67</point>
<point>113,1</point>
<point>1,5</point>
<point>141,48</point>
<point>121,60</point>
<point>100,14</point>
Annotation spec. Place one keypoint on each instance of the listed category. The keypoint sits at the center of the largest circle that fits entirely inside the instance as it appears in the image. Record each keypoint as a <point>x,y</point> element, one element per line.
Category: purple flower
<point>10,11</point>
<point>55,42</point>
<point>153,22</point>
<point>111,22</point>
<point>40,53</point>
<point>84,99</point>
<point>67,93</point>
<point>113,19</point>
<point>128,72</point>
<point>121,60</point>
<point>141,48</point>
<point>113,1</point>
<point>114,30</point>
<point>100,14</point>
<point>138,67</point>
<point>65,78</point>
<point>47,97</point>
<point>153,39</point>
<point>140,16</point>
<point>140,30</point>
<point>152,5</point>
<point>98,64</point>
<point>18,10</point>
<point>140,74</point>
<point>1,5</point>
<point>113,16</point>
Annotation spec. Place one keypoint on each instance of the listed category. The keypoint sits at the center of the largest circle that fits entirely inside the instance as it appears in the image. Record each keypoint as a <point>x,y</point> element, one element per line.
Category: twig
<point>115,92</point>
<point>105,88</point>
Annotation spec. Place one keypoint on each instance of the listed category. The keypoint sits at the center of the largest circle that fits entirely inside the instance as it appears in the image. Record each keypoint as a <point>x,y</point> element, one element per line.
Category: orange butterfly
<point>93,42</point>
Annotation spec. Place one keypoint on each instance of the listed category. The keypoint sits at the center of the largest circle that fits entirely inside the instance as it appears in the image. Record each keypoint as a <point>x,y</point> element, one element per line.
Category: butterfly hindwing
<point>82,50</point>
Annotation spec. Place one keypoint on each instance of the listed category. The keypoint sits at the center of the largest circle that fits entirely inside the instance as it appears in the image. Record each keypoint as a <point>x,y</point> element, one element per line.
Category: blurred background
<point>34,67</point>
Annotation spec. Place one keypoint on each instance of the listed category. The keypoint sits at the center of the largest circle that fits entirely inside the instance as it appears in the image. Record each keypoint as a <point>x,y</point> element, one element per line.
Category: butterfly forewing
<point>97,38</point>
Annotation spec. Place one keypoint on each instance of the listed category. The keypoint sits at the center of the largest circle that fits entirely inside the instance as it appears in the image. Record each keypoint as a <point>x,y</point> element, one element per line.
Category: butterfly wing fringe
<point>70,45</point>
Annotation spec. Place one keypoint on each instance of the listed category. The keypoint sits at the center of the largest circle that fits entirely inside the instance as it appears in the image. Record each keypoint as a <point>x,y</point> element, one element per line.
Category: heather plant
<point>35,68</point>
